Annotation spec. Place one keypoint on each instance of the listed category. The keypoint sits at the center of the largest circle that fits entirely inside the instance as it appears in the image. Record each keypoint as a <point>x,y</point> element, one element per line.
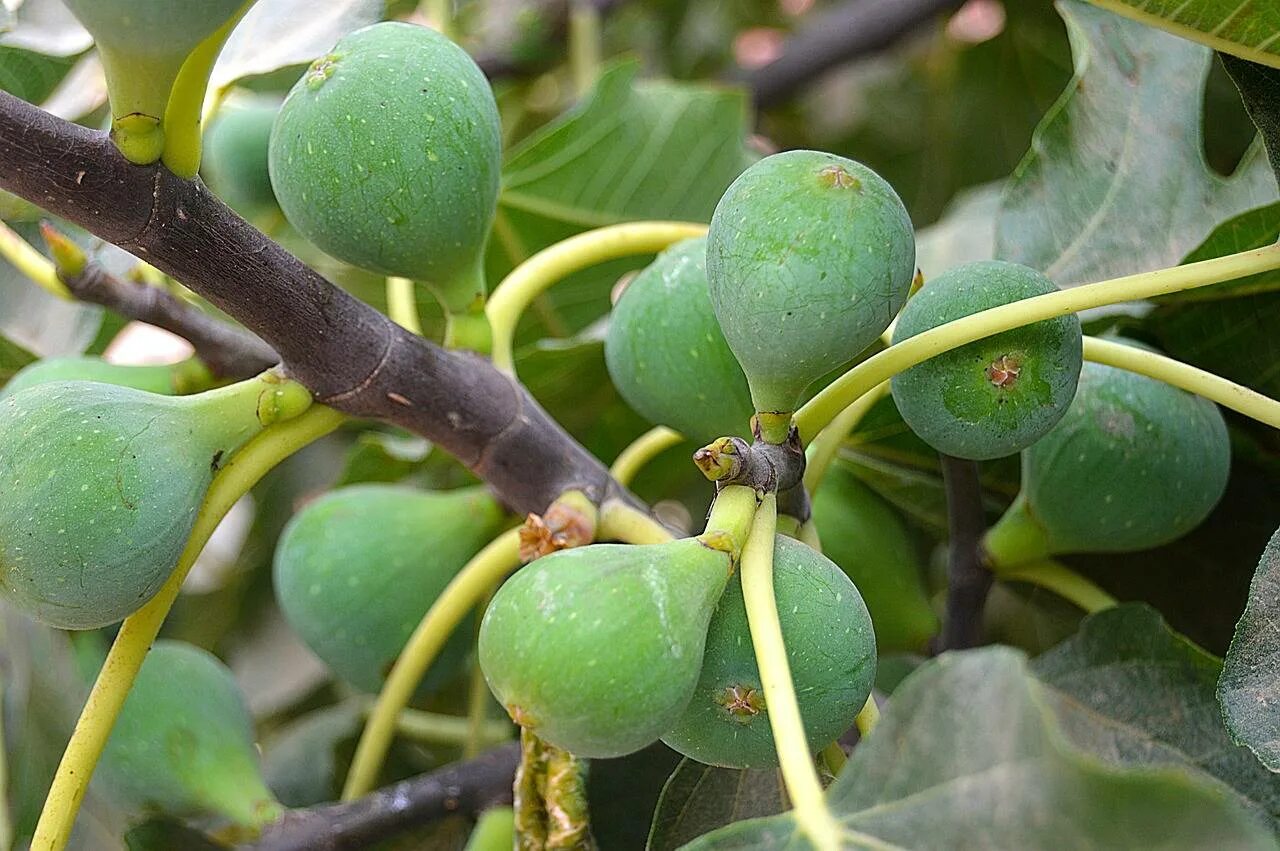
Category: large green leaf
<point>1250,686</point>
<point>968,754</point>
<point>1134,692</point>
<point>42,26</point>
<point>1259,88</point>
<point>1116,180</point>
<point>699,798</point>
<point>1243,28</point>
<point>1252,229</point>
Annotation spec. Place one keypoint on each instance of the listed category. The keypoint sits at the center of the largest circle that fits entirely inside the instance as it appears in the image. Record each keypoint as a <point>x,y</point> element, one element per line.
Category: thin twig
<point>968,579</point>
<point>464,787</point>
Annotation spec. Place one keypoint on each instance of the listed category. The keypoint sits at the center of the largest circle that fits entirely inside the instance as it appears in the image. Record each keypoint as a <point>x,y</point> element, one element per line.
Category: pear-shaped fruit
<point>809,257</point>
<point>667,355</point>
<point>996,396</point>
<point>1134,464</point>
<point>831,649</point>
<point>867,538</point>
<point>235,155</point>
<point>386,154</point>
<point>169,380</point>
<point>143,45</point>
<point>184,745</point>
<point>101,487</point>
<point>597,650</point>
<point>356,570</point>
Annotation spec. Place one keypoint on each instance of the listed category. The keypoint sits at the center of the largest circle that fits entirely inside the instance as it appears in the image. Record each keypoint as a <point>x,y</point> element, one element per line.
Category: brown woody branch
<point>968,579</point>
<point>465,787</point>
<point>228,351</point>
<point>349,355</point>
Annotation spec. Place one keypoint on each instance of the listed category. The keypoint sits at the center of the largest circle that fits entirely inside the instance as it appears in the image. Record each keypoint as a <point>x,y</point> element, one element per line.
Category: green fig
<point>667,355</point>
<point>495,830</point>
<point>356,569</point>
<point>1134,464</point>
<point>597,649</point>
<point>102,485</point>
<point>184,744</point>
<point>235,154</point>
<point>143,45</point>
<point>168,380</point>
<point>998,395</point>
<point>867,538</point>
<point>809,257</point>
<point>386,154</point>
<point>831,649</point>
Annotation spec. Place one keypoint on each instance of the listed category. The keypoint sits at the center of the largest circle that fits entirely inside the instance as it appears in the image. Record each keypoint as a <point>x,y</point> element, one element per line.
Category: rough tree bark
<point>349,355</point>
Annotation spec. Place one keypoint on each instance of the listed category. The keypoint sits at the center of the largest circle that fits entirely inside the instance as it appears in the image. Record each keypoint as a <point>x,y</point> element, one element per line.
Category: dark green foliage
<point>809,257</point>
<point>356,570</point>
<point>996,396</point>
<point>666,352</point>
<point>184,743</point>
<point>830,647</point>
<point>598,649</point>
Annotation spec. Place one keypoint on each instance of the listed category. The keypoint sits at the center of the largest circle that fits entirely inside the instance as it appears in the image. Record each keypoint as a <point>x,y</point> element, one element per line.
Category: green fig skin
<point>348,178</point>
<point>235,155</point>
<point>169,380</point>
<point>1134,464</point>
<point>101,487</point>
<point>183,744</point>
<point>996,396</point>
<point>867,538</point>
<point>809,258</point>
<point>356,569</point>
<point>831,649</point>
<point>598,649</point>
<point>667,355</point>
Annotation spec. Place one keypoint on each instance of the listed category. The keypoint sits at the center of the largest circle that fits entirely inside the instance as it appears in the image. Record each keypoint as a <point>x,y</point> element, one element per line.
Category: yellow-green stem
<point>440,14</point>
<point>730,521</point>
<point>1192,379</point>
<point>513,295</point>
<point>485,570</point>
<point>819,411</point>
<point>641,451</point>
<point>824,448</point>
<point>185,109</point>
<point>434,728</point>
<point>31,263</point>
<point>804,787</point>
<point>402,304</point>
<point>868,717</point>
<point>139,630</point>
<point>1061,580</point>
<point>622,522</point>
<point>584,44</point>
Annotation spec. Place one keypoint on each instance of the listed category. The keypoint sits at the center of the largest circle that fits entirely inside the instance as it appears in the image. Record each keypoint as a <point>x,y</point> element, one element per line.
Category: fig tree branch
<point>228,351</point>
<point>463,787</point>
<point>968,579</point>
<point>352,357</point>
<point>835,36</point>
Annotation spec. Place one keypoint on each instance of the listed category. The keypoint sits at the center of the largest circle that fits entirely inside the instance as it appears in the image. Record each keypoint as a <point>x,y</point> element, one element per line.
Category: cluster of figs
<point>386,154</point>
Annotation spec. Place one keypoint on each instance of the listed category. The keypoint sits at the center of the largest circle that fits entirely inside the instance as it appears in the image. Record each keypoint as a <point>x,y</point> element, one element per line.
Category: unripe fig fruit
<point>831,649</point>
<point>1134,464</point>
<point>809,257</point>
<point>597,649</point>
<point>386,154</point>
<point>143,45</point>
<point>184,744</point>
<point>169,380</point>
<point>667,355</point>
<point>996,396</point>
<point>101,487</point>
<point>356,569</point>
<point>867,538</point>
<point>235,154</point>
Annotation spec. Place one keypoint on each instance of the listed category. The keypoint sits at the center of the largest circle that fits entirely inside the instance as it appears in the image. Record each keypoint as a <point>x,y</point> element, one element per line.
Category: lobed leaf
<point>1249,689</point>
<point>1240,27</point>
